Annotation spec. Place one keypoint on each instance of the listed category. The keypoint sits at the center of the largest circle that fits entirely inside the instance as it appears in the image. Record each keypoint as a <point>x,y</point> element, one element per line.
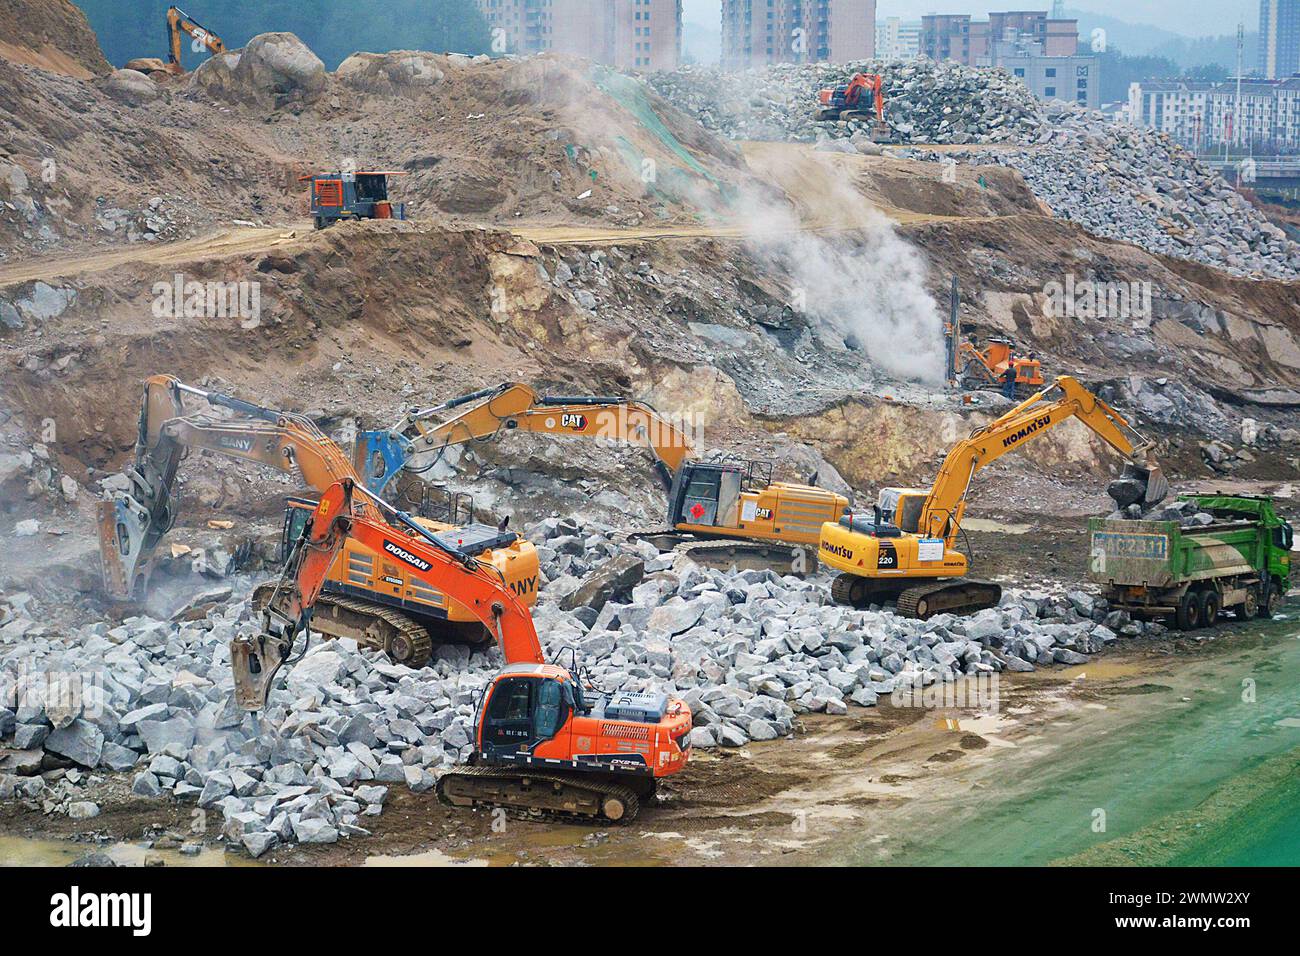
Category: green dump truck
<point>1160,569</point>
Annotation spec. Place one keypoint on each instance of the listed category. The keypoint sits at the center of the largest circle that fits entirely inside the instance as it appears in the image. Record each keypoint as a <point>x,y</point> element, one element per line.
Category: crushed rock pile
<point>925,102</point>
<point>1186,513</point>
<point>749,651</point>
<point>1133,184</point>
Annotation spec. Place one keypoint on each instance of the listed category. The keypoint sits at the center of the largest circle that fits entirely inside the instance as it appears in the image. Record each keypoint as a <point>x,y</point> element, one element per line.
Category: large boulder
<point>274,69</point>
<point>131,87</point>
<point>216,75</point>
<point>399,73</point>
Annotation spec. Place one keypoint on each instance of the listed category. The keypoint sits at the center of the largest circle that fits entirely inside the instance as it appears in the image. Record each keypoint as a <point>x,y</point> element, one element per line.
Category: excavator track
<point>403,639</point>
<point>957,596</point>
<point>724,554</point>
<point>556,796</point>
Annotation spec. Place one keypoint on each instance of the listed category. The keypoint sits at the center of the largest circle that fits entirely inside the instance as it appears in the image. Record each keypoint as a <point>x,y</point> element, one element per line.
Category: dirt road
<point>228,242</point>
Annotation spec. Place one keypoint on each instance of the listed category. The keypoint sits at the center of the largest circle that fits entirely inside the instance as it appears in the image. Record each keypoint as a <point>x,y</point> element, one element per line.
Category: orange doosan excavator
<point>544,743</point>
<point>369,596</point>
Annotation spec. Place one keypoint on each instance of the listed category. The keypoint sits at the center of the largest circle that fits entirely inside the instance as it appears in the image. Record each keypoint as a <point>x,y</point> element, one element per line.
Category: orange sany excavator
<point>862,98</point>
<point>543,741</point>
<point>178,22</point>
<point>369,596</point>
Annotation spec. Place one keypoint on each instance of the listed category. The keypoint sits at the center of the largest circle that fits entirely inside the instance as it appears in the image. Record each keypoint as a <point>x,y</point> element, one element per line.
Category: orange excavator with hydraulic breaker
<point>544,742</point>
<point>727,513</point>
<point>369,596</point>
<point>178,22</point>
<point>906,552</point>
<point>861,99</point>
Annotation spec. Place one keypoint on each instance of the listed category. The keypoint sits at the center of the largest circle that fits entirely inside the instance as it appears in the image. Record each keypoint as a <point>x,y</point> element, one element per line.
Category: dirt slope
<point>52,35</point>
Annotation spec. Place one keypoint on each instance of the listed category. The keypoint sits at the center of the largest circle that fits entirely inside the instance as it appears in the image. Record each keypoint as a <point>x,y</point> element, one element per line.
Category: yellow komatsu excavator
<point>370,597</point>
<point>728,513</point>
<point>905,552</point>
<point>178,22</point>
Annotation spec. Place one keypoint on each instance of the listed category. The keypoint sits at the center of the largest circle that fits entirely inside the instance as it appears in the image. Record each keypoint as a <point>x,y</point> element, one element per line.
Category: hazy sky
<point>1189,17</point>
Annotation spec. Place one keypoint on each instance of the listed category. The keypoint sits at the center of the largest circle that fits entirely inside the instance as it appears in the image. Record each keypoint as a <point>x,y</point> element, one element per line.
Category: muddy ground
<point>837,781</point>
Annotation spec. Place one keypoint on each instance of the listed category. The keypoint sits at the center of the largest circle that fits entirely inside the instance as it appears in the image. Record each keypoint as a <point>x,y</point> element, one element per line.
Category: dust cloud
<point>857,278</point>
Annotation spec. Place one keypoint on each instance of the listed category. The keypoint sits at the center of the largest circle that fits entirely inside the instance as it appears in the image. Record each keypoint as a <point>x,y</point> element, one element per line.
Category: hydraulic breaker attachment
<point>124,526</point>
<point>255,659</point>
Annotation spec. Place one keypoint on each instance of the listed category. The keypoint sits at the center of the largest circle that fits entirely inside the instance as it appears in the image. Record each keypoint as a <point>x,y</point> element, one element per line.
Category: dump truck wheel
<point>1250,607</point>
<point>1188,615</point>
<point>1211,605</point>
<point>1272,598</point>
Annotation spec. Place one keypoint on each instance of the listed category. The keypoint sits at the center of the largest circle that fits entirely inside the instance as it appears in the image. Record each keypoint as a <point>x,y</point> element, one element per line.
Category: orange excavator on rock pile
<point>862,99</point>
<point>369,596</point>
<point>544,743</point>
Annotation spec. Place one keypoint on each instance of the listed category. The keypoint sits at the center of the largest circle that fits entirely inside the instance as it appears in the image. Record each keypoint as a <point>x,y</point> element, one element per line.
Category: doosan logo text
<point>414,560</point>
<point>76,909</point>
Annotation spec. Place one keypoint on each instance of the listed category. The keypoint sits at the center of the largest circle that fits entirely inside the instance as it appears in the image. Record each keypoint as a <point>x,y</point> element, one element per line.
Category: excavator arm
<point>255,659</point>
<point>487,414</point>
<point>133,522</point>
<point>1066,398</point>
<point>178,22</point>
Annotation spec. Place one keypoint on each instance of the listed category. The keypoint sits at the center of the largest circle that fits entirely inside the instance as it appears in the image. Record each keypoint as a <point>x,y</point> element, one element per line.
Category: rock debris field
<point>749,651</point>
<point>1115,180</point>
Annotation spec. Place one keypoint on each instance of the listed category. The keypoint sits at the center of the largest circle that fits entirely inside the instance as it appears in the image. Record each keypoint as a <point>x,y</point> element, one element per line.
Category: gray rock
<point>81,742</point>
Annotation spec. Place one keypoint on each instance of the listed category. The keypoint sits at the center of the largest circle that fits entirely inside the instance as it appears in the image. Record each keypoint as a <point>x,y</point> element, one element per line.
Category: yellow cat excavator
<point>370,597</point>
<point>178,22</point>
<point>905,552</point>
<point>728,513</point>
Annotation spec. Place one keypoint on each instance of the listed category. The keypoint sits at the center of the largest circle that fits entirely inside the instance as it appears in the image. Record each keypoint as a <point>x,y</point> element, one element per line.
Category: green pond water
<point>1197,767</point>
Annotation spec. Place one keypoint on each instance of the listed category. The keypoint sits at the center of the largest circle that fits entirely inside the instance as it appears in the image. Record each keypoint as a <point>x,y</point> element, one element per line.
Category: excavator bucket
<point>1143,485</point>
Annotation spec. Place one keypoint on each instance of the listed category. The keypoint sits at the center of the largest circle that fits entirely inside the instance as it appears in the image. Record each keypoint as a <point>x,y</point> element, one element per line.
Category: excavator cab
<point>901,507</point>
<point>706,494</point>
<point>297,513</point>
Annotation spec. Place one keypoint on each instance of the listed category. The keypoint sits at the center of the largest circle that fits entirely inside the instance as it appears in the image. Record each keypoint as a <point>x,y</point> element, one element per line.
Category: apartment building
<point>953,36</point>
<point>1204,116</point>
<point>758,32</point>
<point>1279,38</point>
<point>628,34</point>
<point>898,39</point>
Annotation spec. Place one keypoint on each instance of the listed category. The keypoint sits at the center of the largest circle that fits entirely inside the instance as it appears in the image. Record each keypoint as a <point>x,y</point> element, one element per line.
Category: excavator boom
<point>943,509</point>
<point>477,585</point>
<point>515,406</point>
<point>132,524</point>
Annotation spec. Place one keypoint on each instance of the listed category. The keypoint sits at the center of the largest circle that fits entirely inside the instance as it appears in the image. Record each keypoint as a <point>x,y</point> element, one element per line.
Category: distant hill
<point>334,29</point>
<point>50,34</point>
<point>1141,39</point>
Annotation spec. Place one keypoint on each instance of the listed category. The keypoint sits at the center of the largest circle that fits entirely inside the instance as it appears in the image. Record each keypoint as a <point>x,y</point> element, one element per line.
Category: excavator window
<point>512,700</point>
<point>547,713</point>
<point>296,515</point>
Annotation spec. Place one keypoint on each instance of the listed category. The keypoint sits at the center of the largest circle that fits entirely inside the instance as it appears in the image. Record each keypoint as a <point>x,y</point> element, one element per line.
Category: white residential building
<point>898,39</point>
<point>1205,115</point>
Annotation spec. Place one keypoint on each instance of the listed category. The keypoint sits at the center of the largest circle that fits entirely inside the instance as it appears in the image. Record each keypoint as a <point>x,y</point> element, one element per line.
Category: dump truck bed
<point>1163,554</point>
